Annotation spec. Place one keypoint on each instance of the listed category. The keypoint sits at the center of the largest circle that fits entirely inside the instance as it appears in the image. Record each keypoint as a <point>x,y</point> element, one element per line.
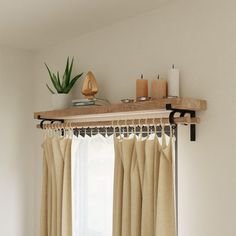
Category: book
<point>89,102</point>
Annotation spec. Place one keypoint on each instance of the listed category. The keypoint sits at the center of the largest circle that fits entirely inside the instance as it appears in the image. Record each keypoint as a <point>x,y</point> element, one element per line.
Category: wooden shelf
<point>151,107</point>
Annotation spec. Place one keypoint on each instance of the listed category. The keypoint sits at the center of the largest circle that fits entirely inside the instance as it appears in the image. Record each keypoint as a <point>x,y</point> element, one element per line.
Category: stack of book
<point>89,102</point>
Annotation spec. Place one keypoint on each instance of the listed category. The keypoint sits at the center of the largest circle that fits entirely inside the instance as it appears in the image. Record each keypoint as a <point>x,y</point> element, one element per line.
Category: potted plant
<point>61,98</point>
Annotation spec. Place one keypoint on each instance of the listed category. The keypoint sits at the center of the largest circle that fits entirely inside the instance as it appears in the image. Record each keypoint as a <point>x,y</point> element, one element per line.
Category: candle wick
<point>158,77</point>
<point>173,66</point>
<point>141,76</point>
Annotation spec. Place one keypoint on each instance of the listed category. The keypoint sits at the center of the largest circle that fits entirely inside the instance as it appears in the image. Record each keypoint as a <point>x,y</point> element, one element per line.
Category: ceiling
<point>36,24</point>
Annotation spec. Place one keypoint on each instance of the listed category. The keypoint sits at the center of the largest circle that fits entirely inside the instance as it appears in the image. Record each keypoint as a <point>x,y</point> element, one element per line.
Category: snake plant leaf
<point>50,74</point>
<point>58,80</point>
<point>56,84</point>
<point>68,75</point>
<point>52,77</point>
<point>70,70</point>
<point>65,76</point>
<point>64,84</point>
<point>67,65</point>
<point>71,84</point>
<point>50,89</point>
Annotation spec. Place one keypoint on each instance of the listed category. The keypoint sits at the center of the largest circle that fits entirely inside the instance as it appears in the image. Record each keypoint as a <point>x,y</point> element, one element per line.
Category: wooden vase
<point>90,87</point>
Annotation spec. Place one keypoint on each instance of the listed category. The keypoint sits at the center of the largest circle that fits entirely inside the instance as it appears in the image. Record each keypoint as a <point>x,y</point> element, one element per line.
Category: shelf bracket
<point>182,113</point>
<point>50,120</point>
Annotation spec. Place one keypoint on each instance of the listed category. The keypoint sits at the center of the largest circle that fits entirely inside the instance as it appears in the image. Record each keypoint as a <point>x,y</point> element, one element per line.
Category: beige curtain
<point>56,212</point>
<point>143,203</point>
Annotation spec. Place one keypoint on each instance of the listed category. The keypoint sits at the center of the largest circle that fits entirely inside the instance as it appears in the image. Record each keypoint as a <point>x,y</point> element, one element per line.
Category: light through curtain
<point>92,184</point>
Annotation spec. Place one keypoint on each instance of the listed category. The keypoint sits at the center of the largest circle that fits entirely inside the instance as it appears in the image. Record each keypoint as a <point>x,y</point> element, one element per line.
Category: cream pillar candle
<point>173,82</point>
<point>159,88</point>
<point>141,87</point>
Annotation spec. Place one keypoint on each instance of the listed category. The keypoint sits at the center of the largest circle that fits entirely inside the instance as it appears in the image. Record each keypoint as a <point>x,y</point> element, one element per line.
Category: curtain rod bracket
<point>51,121</point>
<point>182,113</point>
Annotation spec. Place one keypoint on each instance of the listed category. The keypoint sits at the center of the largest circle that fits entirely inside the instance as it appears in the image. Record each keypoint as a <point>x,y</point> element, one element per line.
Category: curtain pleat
<point>66,194</point>
<point>57,145</point>
<point>118,190</point>
<point>157,154</point>
<point>52,214</point>
<point>127,151</point>
<point>56,188</point>
<point>148,190</point>
<point>143,202</point>
<point>136,191</point>
<point>44,230</point>
<point>165,220</point>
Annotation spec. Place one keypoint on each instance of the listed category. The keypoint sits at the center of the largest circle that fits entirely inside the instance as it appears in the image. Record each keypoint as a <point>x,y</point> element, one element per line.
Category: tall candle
<point>141,87</point>
<point>159,88</point>
<point>173,82</point>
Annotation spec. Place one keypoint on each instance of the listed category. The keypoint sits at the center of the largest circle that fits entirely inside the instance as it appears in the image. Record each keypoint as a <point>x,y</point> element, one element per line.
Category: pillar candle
<point>159,88</point>
<point>173,82</point>
<point>141,87</point>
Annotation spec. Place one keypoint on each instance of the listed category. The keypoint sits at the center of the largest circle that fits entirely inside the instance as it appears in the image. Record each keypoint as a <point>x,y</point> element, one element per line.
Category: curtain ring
<point>138,125</point>
<point>119,126</point>
<point>155,129</point>
<point>61,127</point>
<point>71,130</point>
<point>53,129</point>
<point>57,131</point>
<point>55,126</point>
<point>153,125</point>
<point>134,126</point>
<point>82,128</point>
<point>44,133</point>
<point>123,130</point>
<point>49,130</point>
<point>127,127</point>
<point>67,130</point>
<point>161,123</point>
<point>147,126</point>
<point>78,131</point>
<point>60,130</point>
<point>46,130</point>
<point>106,131</point>
<point>112,125</point>
<point>171,131</point>
<point>141,128</point>
<point>64,130</point>
<point>162,127</point>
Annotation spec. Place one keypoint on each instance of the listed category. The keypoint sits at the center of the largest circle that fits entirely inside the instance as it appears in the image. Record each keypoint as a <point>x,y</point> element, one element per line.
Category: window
<point>92,185</point>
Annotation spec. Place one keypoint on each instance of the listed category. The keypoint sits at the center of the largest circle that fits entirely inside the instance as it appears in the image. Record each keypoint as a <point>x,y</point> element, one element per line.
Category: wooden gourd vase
<point>90,86</point>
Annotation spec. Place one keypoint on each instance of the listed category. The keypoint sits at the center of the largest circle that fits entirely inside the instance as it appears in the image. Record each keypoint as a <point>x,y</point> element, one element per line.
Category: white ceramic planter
<point>61,101</point>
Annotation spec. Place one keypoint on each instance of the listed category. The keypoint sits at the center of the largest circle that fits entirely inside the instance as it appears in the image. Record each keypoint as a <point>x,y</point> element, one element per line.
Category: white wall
<point>16,152</point>
<point>200,38</point>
